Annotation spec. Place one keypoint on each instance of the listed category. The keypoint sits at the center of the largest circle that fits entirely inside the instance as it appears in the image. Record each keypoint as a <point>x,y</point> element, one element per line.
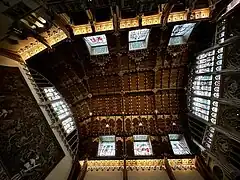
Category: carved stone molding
<point>231,87</point>
<point>229,118</point>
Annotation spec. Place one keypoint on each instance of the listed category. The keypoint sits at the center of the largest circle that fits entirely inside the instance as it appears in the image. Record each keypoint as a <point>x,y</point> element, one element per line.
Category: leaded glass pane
<point>142,145</point>
<point>97,45</point>
<point>138,39</point>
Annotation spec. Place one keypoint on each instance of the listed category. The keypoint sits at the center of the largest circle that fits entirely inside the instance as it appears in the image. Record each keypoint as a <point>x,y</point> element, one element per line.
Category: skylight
<point>179,145</point>
<point>138,39</point>
<point>181,33</point>
<point>97,45</point>
<point>142,145</point>
<point>107,146</point>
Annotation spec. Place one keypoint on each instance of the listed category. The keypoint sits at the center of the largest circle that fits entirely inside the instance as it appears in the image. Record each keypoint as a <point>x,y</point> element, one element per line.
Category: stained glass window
<point>68,125</point>
<point>201,107</point>
<point>61,108</point>
<point>181,33</point>
<point>205,62</point>
<point>97,45</point>
<point>107,146</point>
<point>142,145</point>
<point>138,39</point>
<point>51,93</point>
<point>202,85</point>
<point>179,145</point>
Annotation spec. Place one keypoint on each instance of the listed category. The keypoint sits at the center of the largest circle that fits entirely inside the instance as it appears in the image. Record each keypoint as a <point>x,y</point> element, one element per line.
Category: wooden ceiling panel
<point>111,81</point>
<point>173,77</point>
<point>133,81</point>
<point>102,85</point>
<point>142,79</point>
<point>165,102</point>
<point>158,102</point>
<point>124,82</point>
<point>149,79</point>
<point>180,77</point>
<point>124,62</point>
<point>165,78</point>
<point>93,83</point>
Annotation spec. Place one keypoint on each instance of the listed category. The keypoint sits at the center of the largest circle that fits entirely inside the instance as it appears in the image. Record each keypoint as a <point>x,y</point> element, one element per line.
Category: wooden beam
<point>11,54</point>
<point>169,169</point>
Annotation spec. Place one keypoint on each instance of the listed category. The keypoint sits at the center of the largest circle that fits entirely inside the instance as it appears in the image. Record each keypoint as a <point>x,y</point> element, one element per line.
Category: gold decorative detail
<point>103,26</point>
<point>145,163</point>
<point>32,48</point>
<point>103,164</point>
<point>82,29</point>
<point>151,20</point>
<point>177,16</point>
<point>182,163</point>
<point>129,23</point>
<point>142,163</point>
<point>200,13</point>
<point>54,35</point>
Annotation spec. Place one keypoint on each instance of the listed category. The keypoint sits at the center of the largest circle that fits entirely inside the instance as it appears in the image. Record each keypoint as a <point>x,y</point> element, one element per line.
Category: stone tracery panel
<point>231,86</point>
<point>229,117</point>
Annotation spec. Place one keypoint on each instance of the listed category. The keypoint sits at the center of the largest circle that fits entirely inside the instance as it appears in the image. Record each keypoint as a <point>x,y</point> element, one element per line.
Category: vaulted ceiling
<point>146,86</point>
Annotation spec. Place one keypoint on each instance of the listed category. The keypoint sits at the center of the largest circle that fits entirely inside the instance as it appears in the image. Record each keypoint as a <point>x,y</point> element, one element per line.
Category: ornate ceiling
<point>146,86</point>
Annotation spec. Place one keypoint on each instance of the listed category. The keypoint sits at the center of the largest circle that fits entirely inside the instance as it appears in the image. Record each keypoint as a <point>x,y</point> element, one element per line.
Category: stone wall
<point>28,147</point>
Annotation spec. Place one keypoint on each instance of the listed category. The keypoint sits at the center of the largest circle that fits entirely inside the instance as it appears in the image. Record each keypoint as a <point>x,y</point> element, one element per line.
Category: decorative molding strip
<point>143,164</point>
<point>82,29</point>
<point>103,26</point>
<point>129,23</point>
